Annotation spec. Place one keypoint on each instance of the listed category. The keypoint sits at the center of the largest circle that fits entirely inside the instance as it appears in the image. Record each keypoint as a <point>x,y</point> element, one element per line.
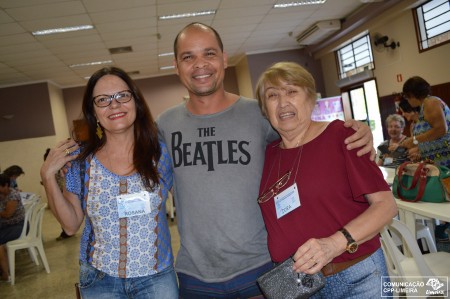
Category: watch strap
<point>347,236</point>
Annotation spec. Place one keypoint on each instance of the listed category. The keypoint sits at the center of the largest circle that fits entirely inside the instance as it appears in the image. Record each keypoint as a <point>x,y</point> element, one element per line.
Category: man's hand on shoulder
<point>362,138</point>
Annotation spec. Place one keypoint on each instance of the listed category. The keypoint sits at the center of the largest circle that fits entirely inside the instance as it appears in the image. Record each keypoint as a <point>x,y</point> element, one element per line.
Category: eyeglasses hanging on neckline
<point>275,188</point>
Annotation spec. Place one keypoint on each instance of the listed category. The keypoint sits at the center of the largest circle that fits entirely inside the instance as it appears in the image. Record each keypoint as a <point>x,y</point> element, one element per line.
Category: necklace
<point>295,162</point>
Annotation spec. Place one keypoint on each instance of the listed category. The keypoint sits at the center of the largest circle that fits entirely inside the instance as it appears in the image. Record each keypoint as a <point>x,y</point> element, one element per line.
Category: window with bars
<point>355,57</point>
<point>433,22</point>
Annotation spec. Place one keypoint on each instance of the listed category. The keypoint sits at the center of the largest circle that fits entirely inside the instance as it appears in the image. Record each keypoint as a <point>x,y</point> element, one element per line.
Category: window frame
<point>342,73</point>
<point>419,23</point>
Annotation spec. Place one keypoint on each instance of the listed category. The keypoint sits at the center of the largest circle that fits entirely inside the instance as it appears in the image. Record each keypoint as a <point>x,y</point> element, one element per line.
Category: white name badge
<point>388,161</point>
<point>287,201</point>
<point>135,204</point>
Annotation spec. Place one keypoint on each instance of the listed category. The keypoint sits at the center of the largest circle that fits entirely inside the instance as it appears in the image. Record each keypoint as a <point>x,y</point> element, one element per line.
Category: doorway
<point>360,102</point>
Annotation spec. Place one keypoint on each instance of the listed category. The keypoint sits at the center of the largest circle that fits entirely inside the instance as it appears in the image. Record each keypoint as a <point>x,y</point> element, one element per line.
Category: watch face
<point>352,247</point>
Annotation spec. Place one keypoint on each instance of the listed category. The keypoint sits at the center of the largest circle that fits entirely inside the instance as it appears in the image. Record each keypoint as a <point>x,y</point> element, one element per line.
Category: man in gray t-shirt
<point>217,142</point>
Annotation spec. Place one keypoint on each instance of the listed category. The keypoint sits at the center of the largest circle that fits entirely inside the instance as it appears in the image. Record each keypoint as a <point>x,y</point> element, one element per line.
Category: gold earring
<point>99,131</point>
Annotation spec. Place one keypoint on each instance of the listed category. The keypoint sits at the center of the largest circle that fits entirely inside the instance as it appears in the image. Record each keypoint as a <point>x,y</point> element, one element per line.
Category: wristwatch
<point>352,246</point>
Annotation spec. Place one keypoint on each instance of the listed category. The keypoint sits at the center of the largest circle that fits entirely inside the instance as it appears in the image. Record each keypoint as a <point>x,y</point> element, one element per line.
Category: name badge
<point>388,161</point>
<point>287,201</point>
<point>135,204</point>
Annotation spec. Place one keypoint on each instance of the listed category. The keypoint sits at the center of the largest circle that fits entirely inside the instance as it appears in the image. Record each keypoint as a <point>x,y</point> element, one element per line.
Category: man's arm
<point>361,138</point>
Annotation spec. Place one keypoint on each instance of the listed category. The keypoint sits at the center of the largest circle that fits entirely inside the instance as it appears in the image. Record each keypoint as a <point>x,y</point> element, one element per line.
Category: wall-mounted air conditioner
<point>318,32</point>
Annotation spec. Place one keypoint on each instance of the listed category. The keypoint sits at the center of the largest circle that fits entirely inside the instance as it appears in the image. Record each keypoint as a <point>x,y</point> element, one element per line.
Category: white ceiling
<point>246,26</point>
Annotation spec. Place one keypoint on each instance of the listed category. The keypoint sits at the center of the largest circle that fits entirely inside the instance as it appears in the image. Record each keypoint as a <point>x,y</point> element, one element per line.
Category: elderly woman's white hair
<point>395,117</point>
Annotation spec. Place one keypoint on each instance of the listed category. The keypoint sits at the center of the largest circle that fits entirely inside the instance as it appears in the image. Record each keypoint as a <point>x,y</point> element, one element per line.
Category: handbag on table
<point>422,182</point>
<point>282,282</point>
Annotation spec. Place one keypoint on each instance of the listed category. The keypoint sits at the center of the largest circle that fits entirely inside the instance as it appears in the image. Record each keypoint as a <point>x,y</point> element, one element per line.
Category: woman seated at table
<point>320,203</point>
<point>12,215</point>
<point>391,154</point>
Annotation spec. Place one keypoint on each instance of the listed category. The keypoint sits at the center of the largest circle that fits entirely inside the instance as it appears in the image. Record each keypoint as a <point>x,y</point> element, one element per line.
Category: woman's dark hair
<point>4,180</point>
<point>417,87</point>
<point>146,151</point>
<point>13,170</point>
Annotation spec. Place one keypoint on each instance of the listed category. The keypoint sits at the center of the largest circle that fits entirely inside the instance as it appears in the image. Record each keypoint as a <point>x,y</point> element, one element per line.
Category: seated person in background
<point>12,214</point>
<point>13,172</point>
<point>391,154</point>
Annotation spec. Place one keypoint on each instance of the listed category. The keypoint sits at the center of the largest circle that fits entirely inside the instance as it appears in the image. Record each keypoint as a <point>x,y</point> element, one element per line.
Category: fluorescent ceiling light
<point>298,3</point>
<point>188,15</point>
<point>166,54</point>
<point>169,67</point>
<point>62,30</point>
<point>91,63</point>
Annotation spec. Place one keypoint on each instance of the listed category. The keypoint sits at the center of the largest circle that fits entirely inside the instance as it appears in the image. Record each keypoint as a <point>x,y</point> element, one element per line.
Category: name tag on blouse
<point>136,204</point>
<point>388,161</point>
<point>287,201</point>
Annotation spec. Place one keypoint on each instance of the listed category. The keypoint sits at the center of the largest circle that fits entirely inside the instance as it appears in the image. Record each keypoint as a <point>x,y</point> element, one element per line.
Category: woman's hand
<point>314,254</point>
<point>393,147</point>
<point>414,154</point>
<point>64,205</point>
<point>58,158</point>
<point>362,138</point>
<point>407,143</point>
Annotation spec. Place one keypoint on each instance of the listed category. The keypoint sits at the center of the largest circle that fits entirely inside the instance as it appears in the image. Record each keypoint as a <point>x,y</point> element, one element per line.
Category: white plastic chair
<point>408,268</point>
<point>423,233</point>
<point>32,241</point>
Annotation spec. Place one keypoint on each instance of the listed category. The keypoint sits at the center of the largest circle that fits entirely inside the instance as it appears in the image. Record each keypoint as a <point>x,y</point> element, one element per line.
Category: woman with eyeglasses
<point>321,204</point>
<point>117,182</point>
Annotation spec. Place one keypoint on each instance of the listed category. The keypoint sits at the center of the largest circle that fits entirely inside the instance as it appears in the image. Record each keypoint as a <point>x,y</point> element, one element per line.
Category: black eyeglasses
<point>275,188</point>
<point>121,97</point>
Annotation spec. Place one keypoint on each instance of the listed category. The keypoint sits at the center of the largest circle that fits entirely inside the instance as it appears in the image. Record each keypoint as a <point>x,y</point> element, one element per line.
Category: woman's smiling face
<point>117,117</point>
<point>287,106</point>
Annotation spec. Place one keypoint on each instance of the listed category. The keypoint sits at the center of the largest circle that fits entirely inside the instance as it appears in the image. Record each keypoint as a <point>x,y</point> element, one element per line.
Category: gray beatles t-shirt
<point>218,161</point>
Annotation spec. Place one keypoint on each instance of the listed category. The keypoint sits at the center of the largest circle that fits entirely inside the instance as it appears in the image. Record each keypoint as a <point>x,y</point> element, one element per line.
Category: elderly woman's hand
<point>314,254</point>
<point>58,158</point>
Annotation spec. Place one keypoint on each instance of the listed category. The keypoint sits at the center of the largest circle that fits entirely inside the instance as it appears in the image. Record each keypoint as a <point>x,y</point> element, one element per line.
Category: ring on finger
<point>67,151</point>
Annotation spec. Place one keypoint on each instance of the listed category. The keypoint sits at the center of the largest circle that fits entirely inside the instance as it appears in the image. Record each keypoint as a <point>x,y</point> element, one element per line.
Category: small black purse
<point>282,282</point>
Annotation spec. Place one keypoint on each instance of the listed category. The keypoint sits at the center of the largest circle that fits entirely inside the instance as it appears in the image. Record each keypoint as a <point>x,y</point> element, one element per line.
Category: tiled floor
<point>33,282</point>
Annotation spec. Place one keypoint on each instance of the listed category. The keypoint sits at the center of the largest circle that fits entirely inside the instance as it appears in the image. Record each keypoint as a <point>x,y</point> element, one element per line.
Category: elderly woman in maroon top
<point>321,203</point>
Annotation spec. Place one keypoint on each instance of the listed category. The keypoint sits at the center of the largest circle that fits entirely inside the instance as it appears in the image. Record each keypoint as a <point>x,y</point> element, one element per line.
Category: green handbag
<point>422,182</point>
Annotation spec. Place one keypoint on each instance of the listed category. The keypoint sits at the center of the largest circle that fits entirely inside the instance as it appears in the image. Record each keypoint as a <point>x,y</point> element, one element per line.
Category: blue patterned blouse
<point>135,246</point>
<point>436,150</point>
